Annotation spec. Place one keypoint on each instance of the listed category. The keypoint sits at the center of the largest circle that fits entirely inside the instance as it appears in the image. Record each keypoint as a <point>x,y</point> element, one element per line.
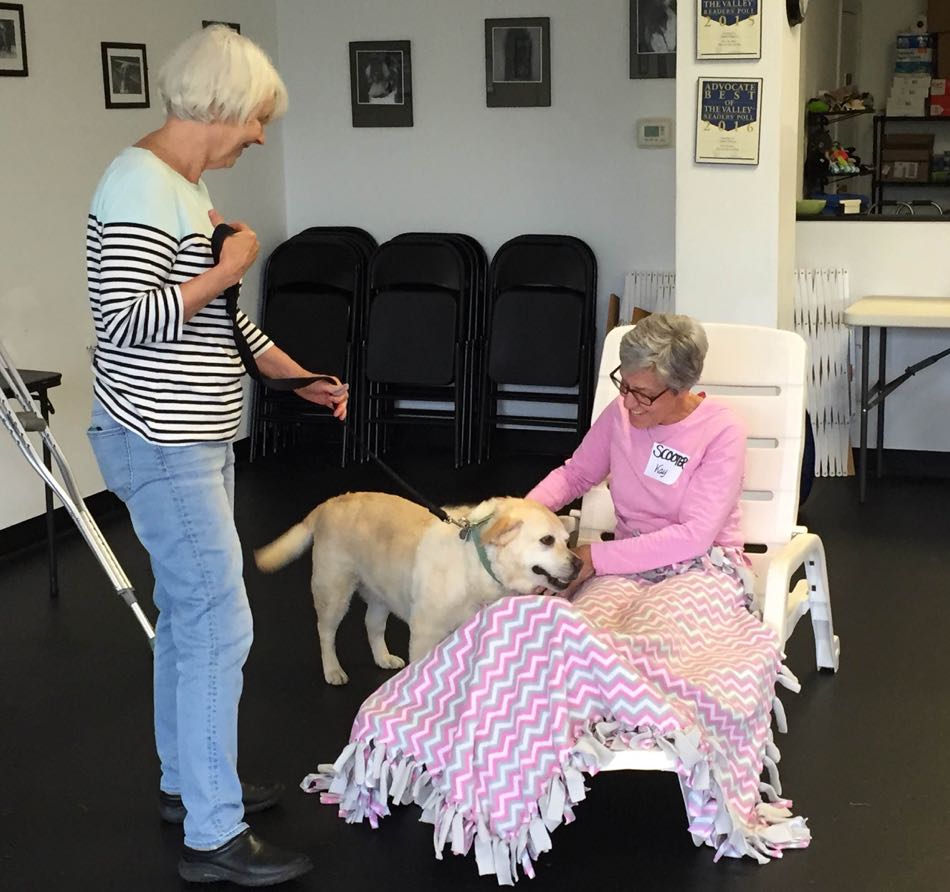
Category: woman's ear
<point>501,530</point>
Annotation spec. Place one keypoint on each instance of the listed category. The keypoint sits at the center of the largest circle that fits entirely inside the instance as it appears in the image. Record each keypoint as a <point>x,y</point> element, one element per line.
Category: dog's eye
<point>547,540</point>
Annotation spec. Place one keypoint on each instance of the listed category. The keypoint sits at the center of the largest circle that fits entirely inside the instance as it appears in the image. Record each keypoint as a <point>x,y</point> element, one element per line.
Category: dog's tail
<point>285,548</point>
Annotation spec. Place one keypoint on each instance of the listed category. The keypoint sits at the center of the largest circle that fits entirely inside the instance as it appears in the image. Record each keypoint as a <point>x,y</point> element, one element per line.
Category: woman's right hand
<point>238,251</point>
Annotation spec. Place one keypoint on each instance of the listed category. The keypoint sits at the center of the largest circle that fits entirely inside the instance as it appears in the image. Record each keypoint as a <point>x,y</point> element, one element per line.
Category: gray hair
<point>672,346</point>
<point>218,75</point>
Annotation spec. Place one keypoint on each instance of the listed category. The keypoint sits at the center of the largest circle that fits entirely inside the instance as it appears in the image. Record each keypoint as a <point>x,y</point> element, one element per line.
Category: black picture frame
<point>381,83</point>
<point>125,75</point>
<point>234,26</point>
<point>13,61</point>
<point>652,27</point>
<point>517,62</point>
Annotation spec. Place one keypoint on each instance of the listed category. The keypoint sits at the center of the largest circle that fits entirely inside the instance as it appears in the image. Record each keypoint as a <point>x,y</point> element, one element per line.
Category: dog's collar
<point>473,531</point>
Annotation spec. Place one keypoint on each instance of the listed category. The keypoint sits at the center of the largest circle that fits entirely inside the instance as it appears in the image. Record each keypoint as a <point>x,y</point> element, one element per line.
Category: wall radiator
<point>821,296</point>
<point>654,292</point>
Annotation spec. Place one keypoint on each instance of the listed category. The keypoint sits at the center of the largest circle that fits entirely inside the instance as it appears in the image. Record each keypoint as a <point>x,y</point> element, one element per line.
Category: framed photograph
<point>125,75</point>
<point>517,62</point>
<point>12,41</point>
<point>234,26</point>
<point>728,29</point>
<point>381,83</point>
<point>652,38</point>
<point>728,115</point>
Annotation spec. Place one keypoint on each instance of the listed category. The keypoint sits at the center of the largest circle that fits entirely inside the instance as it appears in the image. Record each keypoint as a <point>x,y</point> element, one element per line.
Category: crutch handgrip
<point>31,421</point>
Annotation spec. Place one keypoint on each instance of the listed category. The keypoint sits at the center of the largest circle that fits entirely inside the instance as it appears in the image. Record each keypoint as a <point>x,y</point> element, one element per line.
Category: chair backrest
<point>544,261</point>
<point>760,373</point>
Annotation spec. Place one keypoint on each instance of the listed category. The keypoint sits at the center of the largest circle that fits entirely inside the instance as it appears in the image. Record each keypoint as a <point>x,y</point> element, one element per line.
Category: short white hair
<point>674,347</point>
<point>219,75</point>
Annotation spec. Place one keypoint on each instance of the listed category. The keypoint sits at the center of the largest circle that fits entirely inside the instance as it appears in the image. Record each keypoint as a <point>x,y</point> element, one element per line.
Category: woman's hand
<point>238,251</point>
<point>333,395</point>
<point>586,572</point>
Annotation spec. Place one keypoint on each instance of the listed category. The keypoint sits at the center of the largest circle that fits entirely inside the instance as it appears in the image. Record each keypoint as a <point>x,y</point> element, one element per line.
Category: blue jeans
<point>181,501</point>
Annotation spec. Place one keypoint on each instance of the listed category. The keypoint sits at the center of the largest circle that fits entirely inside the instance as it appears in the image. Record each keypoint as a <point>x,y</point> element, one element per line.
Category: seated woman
<point>675,460</point>
<point>491,732</point>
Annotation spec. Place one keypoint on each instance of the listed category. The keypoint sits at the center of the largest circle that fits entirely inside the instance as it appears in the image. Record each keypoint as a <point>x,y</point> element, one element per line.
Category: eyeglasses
<point>638,395</point>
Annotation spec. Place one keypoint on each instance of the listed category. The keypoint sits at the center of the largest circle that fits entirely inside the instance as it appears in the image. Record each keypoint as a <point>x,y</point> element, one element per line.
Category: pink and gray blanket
<point>492,732</point>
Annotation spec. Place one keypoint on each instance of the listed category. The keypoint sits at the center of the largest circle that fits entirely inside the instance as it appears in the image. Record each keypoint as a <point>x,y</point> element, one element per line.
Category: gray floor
<point>863,759</point>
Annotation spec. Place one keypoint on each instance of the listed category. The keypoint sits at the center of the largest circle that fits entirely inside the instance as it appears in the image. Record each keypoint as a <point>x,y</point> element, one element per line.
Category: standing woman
<point>167,404</point>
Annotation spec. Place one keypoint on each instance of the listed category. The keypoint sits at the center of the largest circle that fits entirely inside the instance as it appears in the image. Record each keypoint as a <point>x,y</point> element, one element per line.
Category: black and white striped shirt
<point>171,381</point>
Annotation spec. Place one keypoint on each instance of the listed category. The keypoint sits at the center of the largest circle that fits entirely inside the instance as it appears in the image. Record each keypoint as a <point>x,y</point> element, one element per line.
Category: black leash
<point>221,232</point>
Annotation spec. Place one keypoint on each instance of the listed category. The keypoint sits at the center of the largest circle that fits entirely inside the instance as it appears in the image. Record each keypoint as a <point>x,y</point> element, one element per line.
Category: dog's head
<point>526,544</point>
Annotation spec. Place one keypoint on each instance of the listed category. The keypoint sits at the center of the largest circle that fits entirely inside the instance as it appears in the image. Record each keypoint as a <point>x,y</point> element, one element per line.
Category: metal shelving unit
<point>816,175</point>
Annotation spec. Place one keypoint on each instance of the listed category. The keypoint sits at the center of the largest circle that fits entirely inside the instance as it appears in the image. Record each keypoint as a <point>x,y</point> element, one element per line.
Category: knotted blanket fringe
<point>365,777</point>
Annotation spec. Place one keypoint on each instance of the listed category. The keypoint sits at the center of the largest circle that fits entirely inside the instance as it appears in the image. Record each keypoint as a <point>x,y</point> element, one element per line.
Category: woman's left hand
<point>333,395</point>
<point>586,572</point>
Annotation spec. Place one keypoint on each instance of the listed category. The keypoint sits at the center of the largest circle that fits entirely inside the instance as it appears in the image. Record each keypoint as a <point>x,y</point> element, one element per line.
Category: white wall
<point>56,138</point>
<point>493,173</point>
<point>906,259</point>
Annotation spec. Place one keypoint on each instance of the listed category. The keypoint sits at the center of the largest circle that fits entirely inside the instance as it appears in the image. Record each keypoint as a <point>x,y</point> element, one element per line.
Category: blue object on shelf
<point>833,202</point>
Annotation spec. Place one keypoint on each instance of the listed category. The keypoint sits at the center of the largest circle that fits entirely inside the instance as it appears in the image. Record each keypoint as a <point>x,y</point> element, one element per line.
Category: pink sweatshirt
<point>678,485</point>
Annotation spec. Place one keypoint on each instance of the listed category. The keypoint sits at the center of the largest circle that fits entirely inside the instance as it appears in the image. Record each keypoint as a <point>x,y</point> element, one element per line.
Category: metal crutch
<point>27,419</point>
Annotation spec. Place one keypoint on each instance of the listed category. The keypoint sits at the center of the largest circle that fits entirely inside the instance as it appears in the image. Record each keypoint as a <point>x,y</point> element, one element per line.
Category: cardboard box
<point>939,106</point>
<point>905,157</point>
<point>907,108</point>
<point>911,40</point>
<point>938,15</point>
<point>908,83</point>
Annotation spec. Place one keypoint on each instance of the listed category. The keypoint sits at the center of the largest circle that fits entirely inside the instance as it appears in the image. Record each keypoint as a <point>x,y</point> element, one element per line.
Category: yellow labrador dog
<point>404,560</point>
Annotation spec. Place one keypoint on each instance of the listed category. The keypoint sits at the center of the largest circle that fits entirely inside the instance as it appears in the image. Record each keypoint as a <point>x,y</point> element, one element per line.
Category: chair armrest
<point>783,565</point>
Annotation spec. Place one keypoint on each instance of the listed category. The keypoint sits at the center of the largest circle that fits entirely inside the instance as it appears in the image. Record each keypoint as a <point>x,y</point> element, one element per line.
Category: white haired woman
<point>167,403</point>
<point>675,459</point>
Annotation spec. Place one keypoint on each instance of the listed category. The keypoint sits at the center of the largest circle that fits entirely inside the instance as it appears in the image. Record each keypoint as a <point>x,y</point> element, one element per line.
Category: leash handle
<point>221,232</point>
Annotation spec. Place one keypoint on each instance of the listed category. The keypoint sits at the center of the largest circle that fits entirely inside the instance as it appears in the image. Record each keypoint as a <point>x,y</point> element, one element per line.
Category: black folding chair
<point>312,307</point>
<point>417,349</point>
<point>541,299</point>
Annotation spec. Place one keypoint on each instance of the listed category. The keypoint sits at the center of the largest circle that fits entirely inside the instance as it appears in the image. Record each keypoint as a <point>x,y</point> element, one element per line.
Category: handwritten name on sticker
<point>665,464</point>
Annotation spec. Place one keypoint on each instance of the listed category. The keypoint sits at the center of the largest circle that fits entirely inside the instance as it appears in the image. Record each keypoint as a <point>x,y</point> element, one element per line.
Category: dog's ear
<point>502,530</point>
<point>482,511</point>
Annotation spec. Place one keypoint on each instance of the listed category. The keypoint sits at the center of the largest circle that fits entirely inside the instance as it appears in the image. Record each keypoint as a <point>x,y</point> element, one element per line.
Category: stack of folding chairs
<point>427,332</point>
<point>312,307</point>
<point>540,334</point>
<point>422,340</point>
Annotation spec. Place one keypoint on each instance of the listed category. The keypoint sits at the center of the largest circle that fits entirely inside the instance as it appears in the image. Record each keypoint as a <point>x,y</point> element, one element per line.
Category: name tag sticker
<point>665,464</point>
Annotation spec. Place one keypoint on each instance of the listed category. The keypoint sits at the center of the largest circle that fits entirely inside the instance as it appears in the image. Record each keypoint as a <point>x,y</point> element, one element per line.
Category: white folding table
<point>885,312</point>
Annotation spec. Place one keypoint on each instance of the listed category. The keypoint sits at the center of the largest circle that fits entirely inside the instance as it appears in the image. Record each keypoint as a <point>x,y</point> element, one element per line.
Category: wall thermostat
<point>655,133</point>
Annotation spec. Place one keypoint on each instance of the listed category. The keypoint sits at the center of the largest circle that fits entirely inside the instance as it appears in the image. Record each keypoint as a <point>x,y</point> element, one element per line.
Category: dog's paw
<point>391,661</point>
<point>336,676</point>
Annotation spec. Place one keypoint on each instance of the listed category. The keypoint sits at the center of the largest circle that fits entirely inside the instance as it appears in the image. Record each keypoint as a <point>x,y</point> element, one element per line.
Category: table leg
<point>863,454</point>
<point>881,381</point>
<point>50,516</point>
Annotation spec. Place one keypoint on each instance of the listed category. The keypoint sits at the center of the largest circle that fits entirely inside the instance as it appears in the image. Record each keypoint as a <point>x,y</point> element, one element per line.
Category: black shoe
<point>256,797</point>
<point>245,860</point>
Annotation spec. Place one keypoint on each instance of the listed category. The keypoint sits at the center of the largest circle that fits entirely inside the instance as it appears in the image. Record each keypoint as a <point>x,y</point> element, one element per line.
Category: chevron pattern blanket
<point>492,732</point>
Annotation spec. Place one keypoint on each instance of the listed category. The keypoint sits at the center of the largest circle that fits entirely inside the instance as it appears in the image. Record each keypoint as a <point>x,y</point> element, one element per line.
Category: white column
<point>735,225</point>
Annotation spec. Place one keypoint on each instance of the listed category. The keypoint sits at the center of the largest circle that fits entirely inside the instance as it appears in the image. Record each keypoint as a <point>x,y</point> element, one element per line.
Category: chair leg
<point>827,644</point>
